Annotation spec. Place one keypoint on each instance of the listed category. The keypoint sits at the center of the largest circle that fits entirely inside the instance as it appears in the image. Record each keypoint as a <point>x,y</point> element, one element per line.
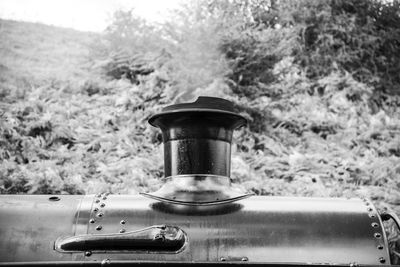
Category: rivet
<point>104,198</point>
<point>370,209</point>
<point>122,222</point>
<point>122,231</point>
<point>382,260</point>
<point>245,259</point>
<point>374,224</point>
<point>372,215</point>
<point>102,205</point>
<point>377,235</point>
<point>92,220</point>
<point>88,253</point>
<point>97,200</point>
<point>99,227</point>
<point>354,264</point>
<point>367,203</point>
<point>100,214</point>
<point>380,247</point>
<point>98,195</point>
<point>222,259</point>
<point>96,209</point>
<point>54,198</point>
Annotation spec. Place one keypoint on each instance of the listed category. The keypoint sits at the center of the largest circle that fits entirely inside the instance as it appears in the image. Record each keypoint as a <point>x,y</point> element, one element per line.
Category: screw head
<point>88,253</point>
<point>54,198</point>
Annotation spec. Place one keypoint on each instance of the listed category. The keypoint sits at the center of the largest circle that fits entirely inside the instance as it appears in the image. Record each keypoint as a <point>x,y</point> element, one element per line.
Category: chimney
<point>197,151</point>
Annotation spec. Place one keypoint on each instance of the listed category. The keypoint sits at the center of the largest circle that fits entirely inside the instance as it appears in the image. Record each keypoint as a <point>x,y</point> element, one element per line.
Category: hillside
<point>34,54</point>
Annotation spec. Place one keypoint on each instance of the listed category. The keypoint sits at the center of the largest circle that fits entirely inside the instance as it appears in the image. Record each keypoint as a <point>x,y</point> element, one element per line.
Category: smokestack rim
<point>203,104</point>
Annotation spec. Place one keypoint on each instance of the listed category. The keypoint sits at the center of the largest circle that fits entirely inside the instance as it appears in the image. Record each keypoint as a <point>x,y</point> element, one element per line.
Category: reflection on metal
<point>261,229</point>
<point>198,190</point>
<point>29,225</point>
<point>198,210</point>
<point>155,239</point>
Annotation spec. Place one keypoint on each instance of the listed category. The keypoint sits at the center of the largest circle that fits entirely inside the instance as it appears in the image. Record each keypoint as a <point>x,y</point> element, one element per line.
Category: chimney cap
<point>202,104</point>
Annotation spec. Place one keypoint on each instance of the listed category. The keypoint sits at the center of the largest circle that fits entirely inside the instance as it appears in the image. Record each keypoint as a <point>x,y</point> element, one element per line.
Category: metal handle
<point>159,238</point>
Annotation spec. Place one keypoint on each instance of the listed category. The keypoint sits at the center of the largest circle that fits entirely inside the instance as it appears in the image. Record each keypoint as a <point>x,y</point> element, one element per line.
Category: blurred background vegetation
<point>319,82</point>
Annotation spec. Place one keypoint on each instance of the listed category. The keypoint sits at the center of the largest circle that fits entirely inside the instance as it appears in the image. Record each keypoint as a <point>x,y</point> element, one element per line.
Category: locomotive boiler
<point>196,218</point>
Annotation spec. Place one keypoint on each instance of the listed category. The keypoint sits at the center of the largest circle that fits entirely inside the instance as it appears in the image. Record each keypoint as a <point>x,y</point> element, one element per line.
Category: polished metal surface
<point>259,229</point>
<point>198,190</point>
<point>253,230</point>
<point>197,156</point>
<point>29,225</point>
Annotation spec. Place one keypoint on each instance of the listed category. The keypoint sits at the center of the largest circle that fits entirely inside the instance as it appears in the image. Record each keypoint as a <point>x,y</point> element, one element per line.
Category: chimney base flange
<point>198,190</point>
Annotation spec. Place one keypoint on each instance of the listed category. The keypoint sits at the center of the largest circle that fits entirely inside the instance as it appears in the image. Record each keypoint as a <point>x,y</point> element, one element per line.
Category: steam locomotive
<point>196,218</point>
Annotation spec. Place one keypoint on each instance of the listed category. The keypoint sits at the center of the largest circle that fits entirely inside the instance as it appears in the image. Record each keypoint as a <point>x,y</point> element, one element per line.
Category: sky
<point>83,15</point>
